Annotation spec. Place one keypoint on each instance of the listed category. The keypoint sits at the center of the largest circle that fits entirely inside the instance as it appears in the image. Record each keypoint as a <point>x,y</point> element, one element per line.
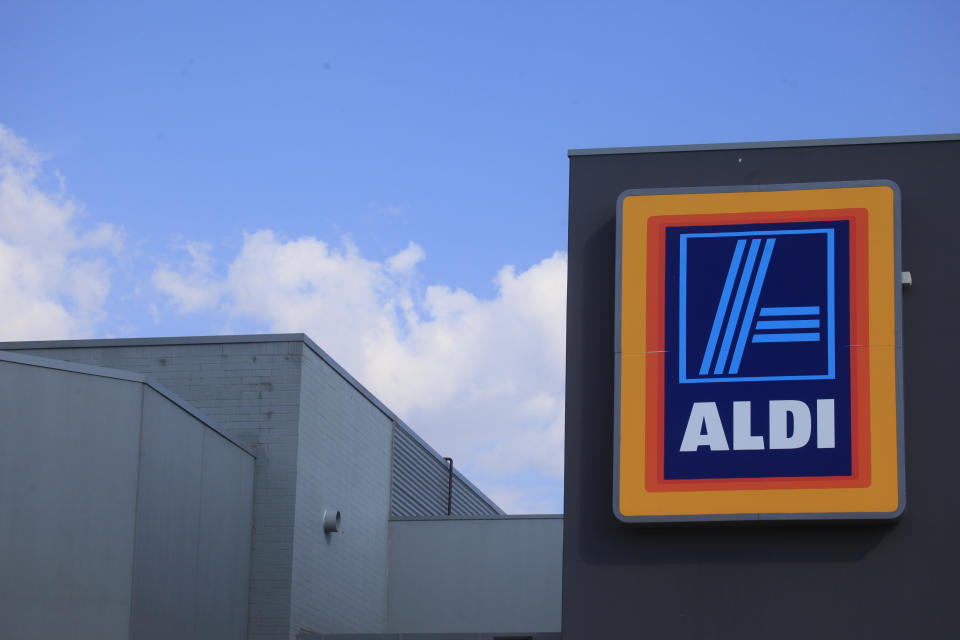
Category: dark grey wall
<point>813,581</point>
<point>494,575</point>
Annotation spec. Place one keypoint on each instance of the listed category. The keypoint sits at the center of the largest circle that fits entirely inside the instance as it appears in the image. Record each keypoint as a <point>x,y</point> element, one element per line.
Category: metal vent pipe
<point>449,484</point>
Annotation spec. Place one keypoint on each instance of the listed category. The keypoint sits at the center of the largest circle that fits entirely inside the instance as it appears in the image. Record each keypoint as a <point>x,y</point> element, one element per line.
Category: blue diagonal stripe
<point>722,306</point>
<point>752,304</point>
<point>737,305</point>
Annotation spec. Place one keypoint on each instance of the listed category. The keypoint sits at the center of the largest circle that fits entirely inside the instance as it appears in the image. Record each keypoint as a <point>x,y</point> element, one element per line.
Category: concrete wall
<point>123,514</point>
<point>340,579</point>
<point>495,575</point>
<point>68,483</point>
<point>252,391</point>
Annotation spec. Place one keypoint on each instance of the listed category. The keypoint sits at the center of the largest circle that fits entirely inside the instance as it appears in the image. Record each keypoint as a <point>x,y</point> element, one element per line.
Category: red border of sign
<point>859,358</point>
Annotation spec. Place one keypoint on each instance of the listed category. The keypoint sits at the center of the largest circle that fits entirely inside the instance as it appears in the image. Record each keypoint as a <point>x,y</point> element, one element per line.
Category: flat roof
<point>825,142</point>
<point>518,516</point>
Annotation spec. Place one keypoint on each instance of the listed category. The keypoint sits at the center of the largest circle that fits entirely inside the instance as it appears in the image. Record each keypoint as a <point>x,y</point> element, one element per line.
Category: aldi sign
<point>757,353</point>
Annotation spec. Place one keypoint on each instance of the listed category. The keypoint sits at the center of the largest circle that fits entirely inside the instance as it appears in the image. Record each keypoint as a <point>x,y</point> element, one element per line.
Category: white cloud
<point>480,379</point>
<point>405,261</point>
<point>54,271</point>
<point>194,288</point>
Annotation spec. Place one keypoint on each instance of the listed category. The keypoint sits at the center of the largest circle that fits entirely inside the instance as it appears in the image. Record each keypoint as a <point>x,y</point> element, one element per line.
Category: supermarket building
<point>243,487</point>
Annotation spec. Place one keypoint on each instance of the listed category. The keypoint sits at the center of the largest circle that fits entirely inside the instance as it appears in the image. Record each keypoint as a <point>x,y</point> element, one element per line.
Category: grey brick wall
<point>419,477</point>
<point>340,579</point>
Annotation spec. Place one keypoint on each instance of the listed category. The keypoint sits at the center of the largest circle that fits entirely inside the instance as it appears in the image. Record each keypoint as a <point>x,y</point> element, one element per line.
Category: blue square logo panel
<point>757,304</point>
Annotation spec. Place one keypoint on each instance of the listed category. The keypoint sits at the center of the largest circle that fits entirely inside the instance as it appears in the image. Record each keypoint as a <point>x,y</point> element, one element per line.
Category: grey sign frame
<point>898,348</point>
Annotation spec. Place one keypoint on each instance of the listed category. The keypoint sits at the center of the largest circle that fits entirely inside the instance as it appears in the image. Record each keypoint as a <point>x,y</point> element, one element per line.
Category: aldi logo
<point>746,335</point>
<point>757,354</point>
<point>742,317</point>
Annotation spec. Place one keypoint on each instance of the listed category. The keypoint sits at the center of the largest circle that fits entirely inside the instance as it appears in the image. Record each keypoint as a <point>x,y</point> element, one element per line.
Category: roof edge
<point>770,144</point>
<point>323,355</point>
<point>128,376</point>
<point>147,342</point>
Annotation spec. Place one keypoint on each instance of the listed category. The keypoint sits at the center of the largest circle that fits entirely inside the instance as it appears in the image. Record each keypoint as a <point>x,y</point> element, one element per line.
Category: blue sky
<point>385,163</point>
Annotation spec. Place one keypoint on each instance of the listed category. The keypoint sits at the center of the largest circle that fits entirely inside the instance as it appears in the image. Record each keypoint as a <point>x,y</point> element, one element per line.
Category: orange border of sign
<point>876,487</point>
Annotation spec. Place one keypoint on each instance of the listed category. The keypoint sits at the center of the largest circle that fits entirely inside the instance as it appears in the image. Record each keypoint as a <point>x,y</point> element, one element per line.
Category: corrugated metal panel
<point>420,481</point>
